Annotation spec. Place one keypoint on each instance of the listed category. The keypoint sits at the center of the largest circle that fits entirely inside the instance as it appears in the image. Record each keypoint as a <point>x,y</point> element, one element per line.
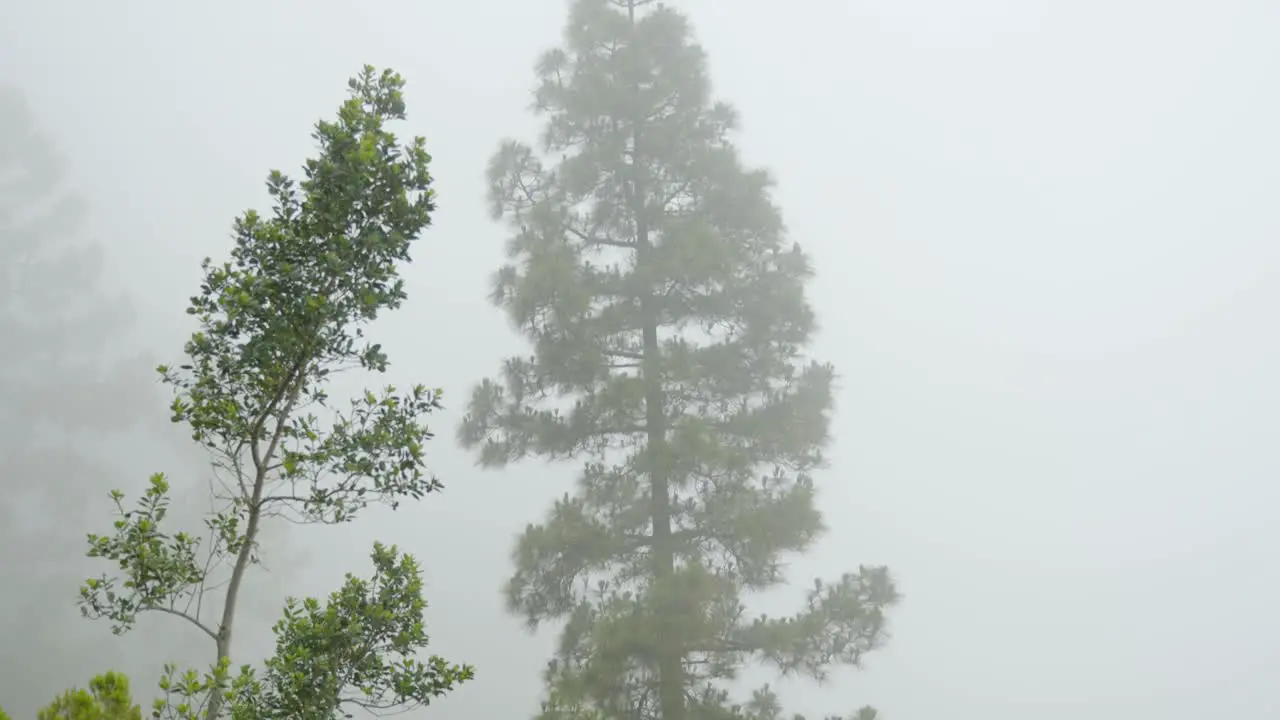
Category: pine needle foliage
<point>666,315</point>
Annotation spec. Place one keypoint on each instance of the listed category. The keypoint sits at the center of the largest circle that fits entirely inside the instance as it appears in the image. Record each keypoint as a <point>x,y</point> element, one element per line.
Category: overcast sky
<point>1046,241</point>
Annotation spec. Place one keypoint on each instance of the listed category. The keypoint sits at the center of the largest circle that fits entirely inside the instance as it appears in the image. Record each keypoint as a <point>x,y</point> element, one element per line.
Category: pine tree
<point>67,393</point>
<point>666,310</point>
<point>59,329</point>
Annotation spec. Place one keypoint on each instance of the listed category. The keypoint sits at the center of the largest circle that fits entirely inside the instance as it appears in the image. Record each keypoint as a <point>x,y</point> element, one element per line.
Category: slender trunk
<point>670,655</point>
<point>245,555</point>
<point>233,586</point>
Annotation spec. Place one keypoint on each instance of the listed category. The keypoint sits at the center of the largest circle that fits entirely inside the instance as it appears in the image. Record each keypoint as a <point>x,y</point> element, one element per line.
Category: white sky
<point>1046,236</point>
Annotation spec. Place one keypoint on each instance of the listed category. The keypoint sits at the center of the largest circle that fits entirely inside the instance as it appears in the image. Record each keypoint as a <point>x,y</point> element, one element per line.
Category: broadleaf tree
<point>108,698</point>
<point>651,274</point>
<point>276,321</point>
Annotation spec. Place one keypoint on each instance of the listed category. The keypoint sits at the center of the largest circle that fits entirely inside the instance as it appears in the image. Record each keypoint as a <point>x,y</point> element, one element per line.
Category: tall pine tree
<point>667,315</point>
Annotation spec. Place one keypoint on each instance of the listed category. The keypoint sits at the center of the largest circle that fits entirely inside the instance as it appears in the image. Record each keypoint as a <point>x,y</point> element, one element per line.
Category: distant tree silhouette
<point>65,394</point>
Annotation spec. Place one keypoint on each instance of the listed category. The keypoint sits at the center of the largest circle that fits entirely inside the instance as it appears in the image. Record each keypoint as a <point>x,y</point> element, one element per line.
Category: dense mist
<point>1042,259</point>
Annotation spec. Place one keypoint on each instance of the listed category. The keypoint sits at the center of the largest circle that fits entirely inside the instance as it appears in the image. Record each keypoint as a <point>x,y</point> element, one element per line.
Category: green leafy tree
<point>108,698</point>
<point>276,321</point>
<point>355,650</point>
<point>668,321</point>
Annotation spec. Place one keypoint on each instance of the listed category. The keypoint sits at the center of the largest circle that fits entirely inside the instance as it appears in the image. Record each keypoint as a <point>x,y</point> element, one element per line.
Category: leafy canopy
<point>358,649</point>
<point>108,698</point>
<point>276,321</point>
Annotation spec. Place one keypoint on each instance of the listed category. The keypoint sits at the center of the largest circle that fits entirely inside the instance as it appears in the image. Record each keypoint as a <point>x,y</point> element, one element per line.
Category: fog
<point>1047,276</point>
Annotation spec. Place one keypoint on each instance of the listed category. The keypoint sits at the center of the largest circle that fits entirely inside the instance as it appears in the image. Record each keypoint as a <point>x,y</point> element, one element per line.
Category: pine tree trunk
<point>669,653</point>
<point>670,656</point>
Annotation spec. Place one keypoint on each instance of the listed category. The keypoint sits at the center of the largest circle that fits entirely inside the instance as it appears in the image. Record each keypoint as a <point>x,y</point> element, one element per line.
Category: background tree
<point>275,323</point>
<point>108,698</point>
<point>668,321</point>
<point>69,398</point>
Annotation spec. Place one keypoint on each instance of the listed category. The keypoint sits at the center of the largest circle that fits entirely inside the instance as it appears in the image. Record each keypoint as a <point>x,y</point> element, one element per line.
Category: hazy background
<point>1046,236</point>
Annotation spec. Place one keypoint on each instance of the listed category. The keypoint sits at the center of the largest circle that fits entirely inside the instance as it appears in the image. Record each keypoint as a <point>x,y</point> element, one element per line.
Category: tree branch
<point>189,618</point>
<point>590,240</point>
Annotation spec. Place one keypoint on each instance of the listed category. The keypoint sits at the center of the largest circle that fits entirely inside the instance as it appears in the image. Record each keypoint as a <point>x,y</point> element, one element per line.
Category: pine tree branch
<point>590,240</point>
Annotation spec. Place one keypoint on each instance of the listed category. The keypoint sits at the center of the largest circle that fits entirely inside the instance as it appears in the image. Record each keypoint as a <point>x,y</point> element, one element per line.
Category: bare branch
<point>178,613</point>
